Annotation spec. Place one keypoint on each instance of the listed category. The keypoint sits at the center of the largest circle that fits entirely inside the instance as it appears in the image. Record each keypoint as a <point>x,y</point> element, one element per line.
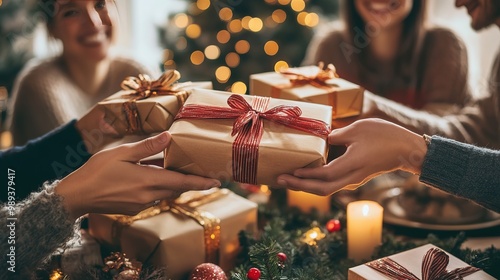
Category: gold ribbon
<point>144,87</point>
<point>319,80</point>
<point>185,206</point>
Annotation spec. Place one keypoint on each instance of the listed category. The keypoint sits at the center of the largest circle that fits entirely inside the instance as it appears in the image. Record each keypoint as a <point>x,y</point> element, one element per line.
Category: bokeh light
<point>212,52</point>
<point>284,2</point>
<point>255,24</point>
<point>242,46</point>
<point>280,65</point>
<point>298,5</point>
<point>181,43</point>
<point>301,18</point>
<point>239,87</point>
<point>279,16</point>
<point>223,36</point>
<point>222,74</point>
<point>235,26</point>
<point>311,19</point>
<point>197,57</point>
<point>225,14</point>
<point>193,31</point>
<point>232,59</point>
<point>203,4</point>
<point>271,48</point>
<point>181,20</point>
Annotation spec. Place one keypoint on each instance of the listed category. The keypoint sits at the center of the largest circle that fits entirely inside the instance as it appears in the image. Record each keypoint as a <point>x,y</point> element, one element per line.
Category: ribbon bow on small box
<point>298,78</point>
<point>434,266</point>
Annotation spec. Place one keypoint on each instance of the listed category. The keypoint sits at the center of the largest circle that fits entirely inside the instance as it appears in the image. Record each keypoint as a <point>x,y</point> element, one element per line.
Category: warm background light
<point>235,26</point>
<point>311,19</point>
<point>197,57</point>
<point>279,16</point>
<point>242,46</point>
<point>298,5</point>
<point>301,18</point>
<point>239,87</point>
<point>203,4</point>
<point>232,59</point>
<point>193,31</point>
<point>255,24</point>
<point>284,2</point>
<point>225,14</point>
<point>222,74</point>
<point>280,65</point>
<point>212,52</point>
<point>245,22</point>
<point>223,36</point>
<point>181,43</point>
<point>271,48</point>
<point>181,20</point>
<point>169,64</point>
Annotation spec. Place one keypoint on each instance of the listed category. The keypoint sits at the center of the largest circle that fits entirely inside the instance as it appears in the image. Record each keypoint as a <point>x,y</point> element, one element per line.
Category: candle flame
<point>365,210</point>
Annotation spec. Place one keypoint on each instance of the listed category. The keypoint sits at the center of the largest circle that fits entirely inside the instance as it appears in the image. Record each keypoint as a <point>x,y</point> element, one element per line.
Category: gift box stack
<point>200,226</point>
<point>424,262</point>
<point>311,84</point>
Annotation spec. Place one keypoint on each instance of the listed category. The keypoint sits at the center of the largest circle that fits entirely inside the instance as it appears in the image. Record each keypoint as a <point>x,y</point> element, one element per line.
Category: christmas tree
<point>226,41</point>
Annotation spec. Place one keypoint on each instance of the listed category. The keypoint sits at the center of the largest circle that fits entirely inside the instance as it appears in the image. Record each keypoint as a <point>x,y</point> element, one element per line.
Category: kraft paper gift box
<point>412,261</point>
<point>175,241</point>
<point>145,106</point>
<point>205,146</point>
<point>345,97</point>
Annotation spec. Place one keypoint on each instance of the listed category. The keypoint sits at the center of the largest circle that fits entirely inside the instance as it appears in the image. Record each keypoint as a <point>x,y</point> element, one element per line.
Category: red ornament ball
<point>208,271</point>
<point>333,225</point>
<point>282,257</point>
<point>253,274</point>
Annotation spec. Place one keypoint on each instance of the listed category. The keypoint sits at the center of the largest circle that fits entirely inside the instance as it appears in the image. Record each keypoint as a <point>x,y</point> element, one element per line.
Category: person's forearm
<point>50,157</point>
<point>33,231</point>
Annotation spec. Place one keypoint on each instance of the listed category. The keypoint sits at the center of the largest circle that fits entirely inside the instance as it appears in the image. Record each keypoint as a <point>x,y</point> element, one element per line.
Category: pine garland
<point>282,229</point>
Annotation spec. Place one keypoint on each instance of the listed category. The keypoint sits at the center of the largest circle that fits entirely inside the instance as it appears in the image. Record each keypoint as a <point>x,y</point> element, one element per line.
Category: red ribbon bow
<point>434,266</point>
<point>319,80</point>
<point>144,87</point>
<point>248,128</point>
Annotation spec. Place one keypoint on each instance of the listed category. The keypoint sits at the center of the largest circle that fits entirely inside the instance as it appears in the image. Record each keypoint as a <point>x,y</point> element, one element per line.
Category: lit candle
<point>306,201</point>
<point>364,228</point>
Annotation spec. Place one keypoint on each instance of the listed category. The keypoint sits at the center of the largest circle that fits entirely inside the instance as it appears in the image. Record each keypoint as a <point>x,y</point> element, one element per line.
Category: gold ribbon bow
<point>434,266</point>
<point>185,206</point>
<point>319,80</point>
<point>144,87</point>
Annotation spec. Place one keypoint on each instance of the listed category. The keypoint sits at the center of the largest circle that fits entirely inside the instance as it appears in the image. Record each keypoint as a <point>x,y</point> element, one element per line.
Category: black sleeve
<point>49,157</point>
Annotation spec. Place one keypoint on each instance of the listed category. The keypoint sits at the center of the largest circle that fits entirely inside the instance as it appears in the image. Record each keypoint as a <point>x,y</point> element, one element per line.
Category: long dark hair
<point>411,40</point>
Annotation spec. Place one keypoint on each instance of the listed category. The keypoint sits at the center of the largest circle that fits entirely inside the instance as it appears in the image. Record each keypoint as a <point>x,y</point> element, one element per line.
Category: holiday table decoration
<point>146,105</point>
<point>311,84</point>
<point>200,226</point>
<point>364,228</point>
<point>247,139</point>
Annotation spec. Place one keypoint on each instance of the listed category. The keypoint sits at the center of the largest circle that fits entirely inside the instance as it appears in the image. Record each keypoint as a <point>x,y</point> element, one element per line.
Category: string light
<point>193,31</point>
<point>242,46</point>
<point>193,9</point>
<point>203,4</point>
<point>223,36</point>
<point>279,16</point>
<point>212,52</point>
<point>255,24</point>
<point>181,20</point>
<point>301,18</point>
<point>312,236</point>
<point>232,59</point>
<point>245,22</point>
<point>272,2</point>
<point>225,14</point>
<point>271,48</point>
<point>311,19</point>
<point>284,2</point>
<point>222,74</point>
<point>169,64</point>
<point>239,87</point>
<point>181,43</point>
<point>280,65</point>
<point>197,57</point>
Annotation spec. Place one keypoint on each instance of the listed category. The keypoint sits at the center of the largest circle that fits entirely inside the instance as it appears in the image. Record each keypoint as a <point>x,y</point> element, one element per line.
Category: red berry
<point>333,225</point>
<point>282,257</point>
<point>253,274</point>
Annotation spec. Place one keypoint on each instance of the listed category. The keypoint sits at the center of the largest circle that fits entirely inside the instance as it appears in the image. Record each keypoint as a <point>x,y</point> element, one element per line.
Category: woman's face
<point>84,27</point>
<point>384,13</point>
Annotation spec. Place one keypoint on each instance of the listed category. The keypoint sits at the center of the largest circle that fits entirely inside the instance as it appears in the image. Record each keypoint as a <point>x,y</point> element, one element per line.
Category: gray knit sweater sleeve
<point>31,231</point>
<point>463,170</point>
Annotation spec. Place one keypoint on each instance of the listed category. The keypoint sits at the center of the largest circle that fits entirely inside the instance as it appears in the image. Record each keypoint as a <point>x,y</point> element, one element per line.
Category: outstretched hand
<point>113,182</point>
<point>374,147</point>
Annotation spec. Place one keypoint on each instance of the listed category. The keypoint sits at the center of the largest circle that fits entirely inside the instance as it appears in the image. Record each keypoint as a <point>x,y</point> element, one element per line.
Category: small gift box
<point>198,227</point>
<point>145,106</point>
<point>311,84</point>
<point>426,262</point>
<point>247,139</point>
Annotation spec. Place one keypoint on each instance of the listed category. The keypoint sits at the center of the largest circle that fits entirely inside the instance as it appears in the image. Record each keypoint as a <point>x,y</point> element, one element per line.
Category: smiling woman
<point>51,92</point>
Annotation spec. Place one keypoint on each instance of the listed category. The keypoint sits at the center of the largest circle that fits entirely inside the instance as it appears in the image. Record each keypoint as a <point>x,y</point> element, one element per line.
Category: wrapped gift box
<point>345,97</point>
<point>155,113</point>
<point>204,146</point>
<point>175,241</point>
<point>412,261</point>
